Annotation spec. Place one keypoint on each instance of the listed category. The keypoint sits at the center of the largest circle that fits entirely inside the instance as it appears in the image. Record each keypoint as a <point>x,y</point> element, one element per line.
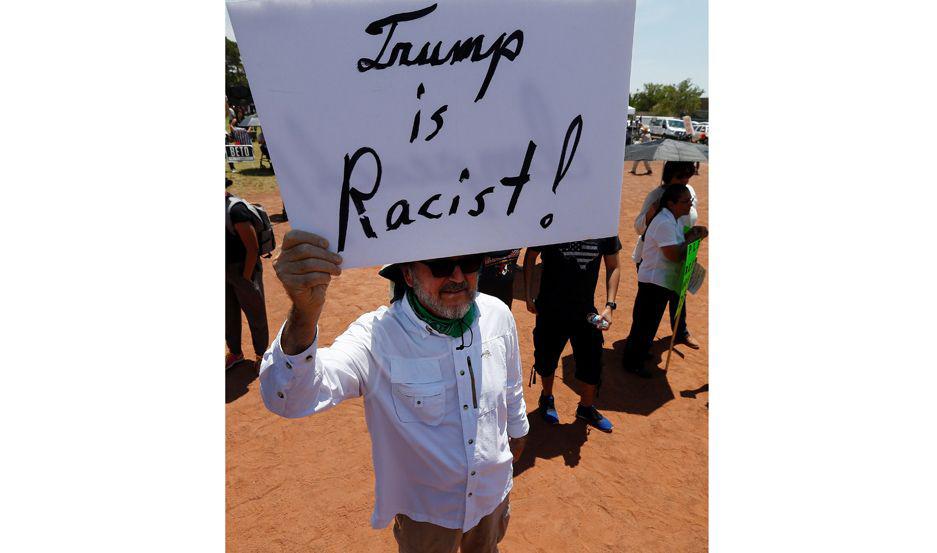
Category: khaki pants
<point>424,537</point>
<point>647,166</point>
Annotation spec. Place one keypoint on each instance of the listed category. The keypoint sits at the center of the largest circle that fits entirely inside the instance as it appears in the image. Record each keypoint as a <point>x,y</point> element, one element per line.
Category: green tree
<point>234,74</point>
<point>668,99</point>
<point>648,98</point>
<point>684,98</point>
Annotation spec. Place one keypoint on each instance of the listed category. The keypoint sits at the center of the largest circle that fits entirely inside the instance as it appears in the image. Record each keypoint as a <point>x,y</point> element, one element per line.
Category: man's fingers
<point>295,236</point>
<point>307,280</point>
<point>305,250</point>
<point>312,265</point>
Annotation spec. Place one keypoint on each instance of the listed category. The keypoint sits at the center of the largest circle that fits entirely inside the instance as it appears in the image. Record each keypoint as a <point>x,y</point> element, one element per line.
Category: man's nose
<point>457,275</point>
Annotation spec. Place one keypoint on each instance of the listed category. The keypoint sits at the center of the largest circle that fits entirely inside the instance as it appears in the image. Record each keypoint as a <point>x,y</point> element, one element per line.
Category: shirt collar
<point>412,321</point>
<point>415,324</point>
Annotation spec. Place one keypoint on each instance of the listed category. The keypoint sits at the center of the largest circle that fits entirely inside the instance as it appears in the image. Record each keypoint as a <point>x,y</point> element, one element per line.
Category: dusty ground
<point>307,485</point>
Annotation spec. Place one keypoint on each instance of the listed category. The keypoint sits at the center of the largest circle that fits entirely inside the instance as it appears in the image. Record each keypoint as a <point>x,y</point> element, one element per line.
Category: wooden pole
<point>673,333</point>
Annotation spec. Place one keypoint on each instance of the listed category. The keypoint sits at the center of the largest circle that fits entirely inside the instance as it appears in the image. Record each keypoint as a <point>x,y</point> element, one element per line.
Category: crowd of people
<point>238,111</point>
<point>235,134</point>
<point>440,368</point>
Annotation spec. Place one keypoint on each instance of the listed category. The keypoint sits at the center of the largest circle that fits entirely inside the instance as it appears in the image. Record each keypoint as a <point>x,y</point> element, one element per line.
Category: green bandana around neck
<point>450,327</point>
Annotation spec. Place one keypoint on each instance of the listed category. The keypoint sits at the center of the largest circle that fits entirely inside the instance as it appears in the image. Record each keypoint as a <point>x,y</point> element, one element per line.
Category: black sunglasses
<point>444,267</point>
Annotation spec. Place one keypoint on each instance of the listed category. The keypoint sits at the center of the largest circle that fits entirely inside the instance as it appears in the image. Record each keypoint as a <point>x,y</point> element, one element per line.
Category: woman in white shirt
<point>659,272</point>
<point>675,172</point>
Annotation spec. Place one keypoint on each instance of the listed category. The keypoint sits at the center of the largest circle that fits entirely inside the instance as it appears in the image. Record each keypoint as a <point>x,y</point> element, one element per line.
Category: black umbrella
<point>665,149</point>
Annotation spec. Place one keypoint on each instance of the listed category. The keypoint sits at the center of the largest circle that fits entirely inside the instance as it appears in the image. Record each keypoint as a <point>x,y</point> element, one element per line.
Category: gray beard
<point>435,305</point>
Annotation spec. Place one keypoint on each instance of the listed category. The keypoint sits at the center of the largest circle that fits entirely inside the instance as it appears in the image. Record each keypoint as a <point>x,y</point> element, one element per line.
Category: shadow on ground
<point>257,171</point>
<point>693,393</point>
<point>626,392</point>
<point>546,441</point>
<point>238,379</point>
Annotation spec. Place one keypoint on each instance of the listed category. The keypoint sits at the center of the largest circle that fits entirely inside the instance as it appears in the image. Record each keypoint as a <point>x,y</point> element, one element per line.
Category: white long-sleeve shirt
<point>439,414</point>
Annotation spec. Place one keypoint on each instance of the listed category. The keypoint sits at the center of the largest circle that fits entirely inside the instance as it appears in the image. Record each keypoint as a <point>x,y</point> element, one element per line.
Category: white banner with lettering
<point>406,130</point>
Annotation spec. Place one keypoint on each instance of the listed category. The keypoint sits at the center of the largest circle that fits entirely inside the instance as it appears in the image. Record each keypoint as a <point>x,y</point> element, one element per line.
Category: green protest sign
<point>691,251</point>
<point>688,265</point>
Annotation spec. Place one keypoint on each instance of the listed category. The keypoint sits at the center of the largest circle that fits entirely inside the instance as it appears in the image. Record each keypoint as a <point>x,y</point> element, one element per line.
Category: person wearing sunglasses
<point>674,173</point>
<point>440,374</point>
<point>659,274</point>
<point>563,307</point>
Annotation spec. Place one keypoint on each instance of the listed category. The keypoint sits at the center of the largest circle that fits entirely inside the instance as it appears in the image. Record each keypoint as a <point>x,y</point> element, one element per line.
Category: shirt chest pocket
<point>418,392</point>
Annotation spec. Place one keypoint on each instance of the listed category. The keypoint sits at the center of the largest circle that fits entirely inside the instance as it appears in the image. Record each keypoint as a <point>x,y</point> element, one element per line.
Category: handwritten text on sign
<point>408,130</point>
<point>687,271</point>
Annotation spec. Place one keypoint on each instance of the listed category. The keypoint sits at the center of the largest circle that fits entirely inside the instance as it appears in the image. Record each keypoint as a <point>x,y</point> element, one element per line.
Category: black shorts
<point>550,336</point>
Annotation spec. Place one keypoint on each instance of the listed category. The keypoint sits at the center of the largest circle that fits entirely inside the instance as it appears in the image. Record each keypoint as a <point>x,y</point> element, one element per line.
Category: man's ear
<point>407,274</point>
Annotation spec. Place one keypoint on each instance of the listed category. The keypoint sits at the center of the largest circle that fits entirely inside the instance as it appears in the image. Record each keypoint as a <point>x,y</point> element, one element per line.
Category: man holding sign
<point>431,130</point>
<point>660,275</point>
<point>441,379</point>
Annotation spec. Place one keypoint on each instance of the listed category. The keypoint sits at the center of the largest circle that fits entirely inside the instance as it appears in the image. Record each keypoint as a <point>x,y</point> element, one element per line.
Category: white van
<point>668,127</point>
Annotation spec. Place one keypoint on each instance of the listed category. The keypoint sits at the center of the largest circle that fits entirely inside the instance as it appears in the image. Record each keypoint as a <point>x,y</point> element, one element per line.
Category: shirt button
<point>288,365</point>
<point>418,402</point>
<point>461,373</point>
<point>473,473</point>
<point>465,407</point>
<point>308,358</point>
<point>280,395</point>
<point>470,494</point>
<point>471,441</point>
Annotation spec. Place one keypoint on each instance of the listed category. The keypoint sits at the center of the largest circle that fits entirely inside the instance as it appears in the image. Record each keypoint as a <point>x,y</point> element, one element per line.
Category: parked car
<point>701,127</point>
<point>668,127</point>
<point>701,132</point>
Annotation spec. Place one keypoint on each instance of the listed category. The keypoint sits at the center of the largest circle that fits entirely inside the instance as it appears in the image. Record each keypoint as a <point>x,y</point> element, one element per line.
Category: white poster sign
<point>406,129</point>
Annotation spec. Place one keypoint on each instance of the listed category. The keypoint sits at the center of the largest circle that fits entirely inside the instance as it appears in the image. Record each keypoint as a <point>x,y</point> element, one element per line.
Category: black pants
<point>672,305</point>
<point>550,336</point>
<point>246,295</point>
<point>648,310</point>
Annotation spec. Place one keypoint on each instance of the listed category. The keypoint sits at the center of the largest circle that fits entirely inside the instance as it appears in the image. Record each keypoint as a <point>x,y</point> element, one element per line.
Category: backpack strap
<point>233,201</point>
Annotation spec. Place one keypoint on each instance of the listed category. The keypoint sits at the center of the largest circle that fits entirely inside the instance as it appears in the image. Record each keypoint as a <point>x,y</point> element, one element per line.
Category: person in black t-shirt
<point>565,301</point>
<point>497,275</point>
<point>244,285</point>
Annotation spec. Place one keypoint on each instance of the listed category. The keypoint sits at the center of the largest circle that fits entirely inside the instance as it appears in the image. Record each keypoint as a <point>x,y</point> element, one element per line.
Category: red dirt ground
<point>307,485</point>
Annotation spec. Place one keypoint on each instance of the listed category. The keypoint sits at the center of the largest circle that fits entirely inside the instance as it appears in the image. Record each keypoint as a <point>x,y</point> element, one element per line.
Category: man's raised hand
<point>305,266</point>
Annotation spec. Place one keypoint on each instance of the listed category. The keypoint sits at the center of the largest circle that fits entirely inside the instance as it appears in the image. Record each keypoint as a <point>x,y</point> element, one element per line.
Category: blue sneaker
<point>548,410</point>
<point>592,416</point>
